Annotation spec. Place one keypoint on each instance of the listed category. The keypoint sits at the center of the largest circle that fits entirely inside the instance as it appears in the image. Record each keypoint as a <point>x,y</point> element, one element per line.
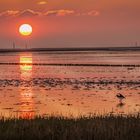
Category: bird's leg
<point>120,101</point>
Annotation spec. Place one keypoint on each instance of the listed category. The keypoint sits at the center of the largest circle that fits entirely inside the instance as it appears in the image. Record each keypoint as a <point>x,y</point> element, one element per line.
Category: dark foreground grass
<point>60,128</point>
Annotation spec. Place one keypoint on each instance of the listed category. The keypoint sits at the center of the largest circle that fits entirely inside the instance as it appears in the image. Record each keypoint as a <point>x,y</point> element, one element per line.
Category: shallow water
<point>27,90</point>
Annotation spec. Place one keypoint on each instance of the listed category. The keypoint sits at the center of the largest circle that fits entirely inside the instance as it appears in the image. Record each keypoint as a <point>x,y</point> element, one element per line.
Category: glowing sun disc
<point>25,29</point>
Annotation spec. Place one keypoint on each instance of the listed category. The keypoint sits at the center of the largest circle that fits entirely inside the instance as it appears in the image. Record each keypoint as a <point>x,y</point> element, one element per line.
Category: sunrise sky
<point>70,23</point>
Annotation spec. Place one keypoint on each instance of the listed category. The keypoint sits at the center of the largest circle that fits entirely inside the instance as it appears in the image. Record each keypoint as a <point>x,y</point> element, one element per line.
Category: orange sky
<point>71,23</point>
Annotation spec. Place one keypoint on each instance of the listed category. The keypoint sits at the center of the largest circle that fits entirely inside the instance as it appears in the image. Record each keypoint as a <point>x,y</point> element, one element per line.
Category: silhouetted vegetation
<point>60,128</point>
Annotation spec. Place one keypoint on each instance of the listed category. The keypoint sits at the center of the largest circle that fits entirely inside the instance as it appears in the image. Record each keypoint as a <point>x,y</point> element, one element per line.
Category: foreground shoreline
<point>83,128</point>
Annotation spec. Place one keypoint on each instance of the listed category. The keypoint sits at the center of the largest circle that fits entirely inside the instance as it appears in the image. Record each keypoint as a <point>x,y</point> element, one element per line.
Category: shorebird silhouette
<point>120,97</point>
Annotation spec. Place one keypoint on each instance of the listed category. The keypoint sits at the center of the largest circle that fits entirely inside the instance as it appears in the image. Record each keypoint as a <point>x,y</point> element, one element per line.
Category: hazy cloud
<point>29,13</point>
<point>93,13</point>
<point>9,13</point>
<point>59,12</point>
<point>90,13</point>
<point>42,2</point>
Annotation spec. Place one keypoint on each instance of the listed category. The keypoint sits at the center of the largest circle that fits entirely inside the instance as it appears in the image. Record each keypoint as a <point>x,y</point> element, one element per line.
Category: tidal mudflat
<point>58,83</point>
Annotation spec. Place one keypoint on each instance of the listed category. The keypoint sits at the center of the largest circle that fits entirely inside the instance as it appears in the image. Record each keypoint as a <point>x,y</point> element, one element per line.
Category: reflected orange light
<point>25,60</point>
<point>26,67</point>
<point>27,103</point>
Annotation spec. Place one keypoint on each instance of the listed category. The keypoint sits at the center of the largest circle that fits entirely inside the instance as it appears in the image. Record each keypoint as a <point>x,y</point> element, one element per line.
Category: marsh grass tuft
<point>61,128</point>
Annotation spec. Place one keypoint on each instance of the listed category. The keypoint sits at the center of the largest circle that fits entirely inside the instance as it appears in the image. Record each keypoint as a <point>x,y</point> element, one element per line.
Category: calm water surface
<point>27,90</point>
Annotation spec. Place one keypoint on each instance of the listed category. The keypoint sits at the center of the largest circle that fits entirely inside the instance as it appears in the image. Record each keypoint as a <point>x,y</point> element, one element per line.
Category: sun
<point>25,29</point>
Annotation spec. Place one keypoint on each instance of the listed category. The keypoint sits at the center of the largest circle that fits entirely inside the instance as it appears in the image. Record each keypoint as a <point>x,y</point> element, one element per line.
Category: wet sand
<point>29,90</point>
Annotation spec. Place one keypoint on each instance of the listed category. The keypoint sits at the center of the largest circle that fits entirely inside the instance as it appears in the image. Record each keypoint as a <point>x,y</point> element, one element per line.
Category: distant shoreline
<point>71,49</point>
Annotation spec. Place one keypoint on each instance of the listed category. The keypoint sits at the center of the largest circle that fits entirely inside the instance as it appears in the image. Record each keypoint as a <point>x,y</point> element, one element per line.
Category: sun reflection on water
<point>26,67</point>
<point>26,94</point>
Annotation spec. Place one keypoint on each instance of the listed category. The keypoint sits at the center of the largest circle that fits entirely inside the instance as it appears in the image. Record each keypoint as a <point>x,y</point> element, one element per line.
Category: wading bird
<point>120,97</point>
